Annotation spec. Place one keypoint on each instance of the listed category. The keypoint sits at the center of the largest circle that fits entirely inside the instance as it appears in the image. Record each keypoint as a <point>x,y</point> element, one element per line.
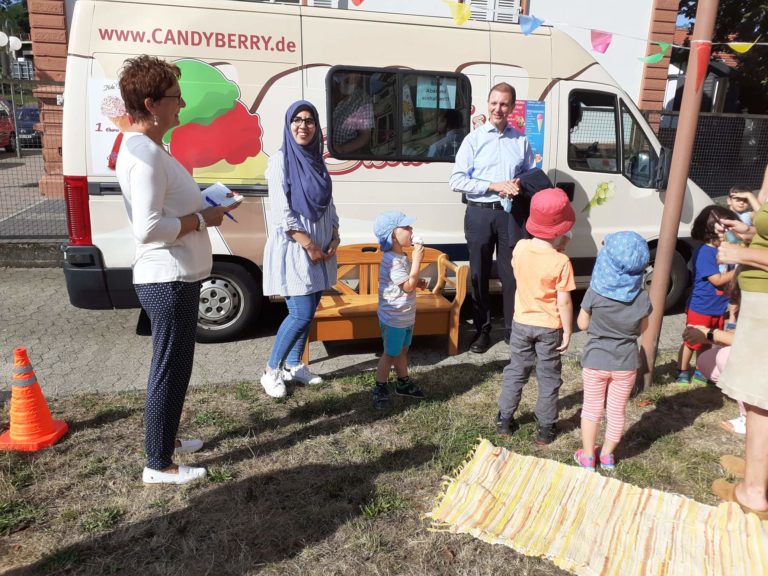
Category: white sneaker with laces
<point>273,383</point>
<point>301,374</point>
<point>184,475</point>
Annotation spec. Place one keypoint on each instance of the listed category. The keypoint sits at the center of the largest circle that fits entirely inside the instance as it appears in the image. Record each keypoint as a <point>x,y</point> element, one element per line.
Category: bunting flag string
<point>601,41</point>
<point>703,53</point>
<point>460,12</point>
<point>529,23</point>
<point>655,58</point>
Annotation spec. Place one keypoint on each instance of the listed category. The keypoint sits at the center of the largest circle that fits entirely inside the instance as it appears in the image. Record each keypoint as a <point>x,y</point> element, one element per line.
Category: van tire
<point>230,301</point>
<point>679,279</point>
<point>11,143</point>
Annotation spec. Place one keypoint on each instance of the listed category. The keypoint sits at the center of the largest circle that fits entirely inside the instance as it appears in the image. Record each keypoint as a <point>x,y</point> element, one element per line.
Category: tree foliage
<point>742,21</point>
<point>14,17</point>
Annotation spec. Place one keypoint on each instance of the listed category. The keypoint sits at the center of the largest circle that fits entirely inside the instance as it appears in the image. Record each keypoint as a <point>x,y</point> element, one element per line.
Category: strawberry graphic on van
<point>218,137</point>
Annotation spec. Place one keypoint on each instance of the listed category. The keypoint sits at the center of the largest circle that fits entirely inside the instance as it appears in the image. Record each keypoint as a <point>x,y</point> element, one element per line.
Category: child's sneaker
<point>585,462</point>
<point>700,379</point>
<point>607,461</point>
<point>683,377</point>
<point>380,396</point>
<point>300,374</point>
<point>546,435</point>
<point>406,387</point>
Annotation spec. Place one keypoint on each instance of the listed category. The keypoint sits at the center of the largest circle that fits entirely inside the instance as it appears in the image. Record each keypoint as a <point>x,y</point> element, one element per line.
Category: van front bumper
<point>93,287</point>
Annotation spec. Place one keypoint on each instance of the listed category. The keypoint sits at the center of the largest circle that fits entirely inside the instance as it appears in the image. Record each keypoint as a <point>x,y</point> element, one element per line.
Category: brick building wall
<point>47,21</point>
<point>654,82</point>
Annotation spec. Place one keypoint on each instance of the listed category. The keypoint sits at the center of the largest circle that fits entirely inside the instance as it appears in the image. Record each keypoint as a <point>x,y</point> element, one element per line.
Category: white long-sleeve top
<point>157,192</point>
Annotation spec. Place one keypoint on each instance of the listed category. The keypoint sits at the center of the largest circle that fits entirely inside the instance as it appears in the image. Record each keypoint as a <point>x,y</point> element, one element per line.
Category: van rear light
<point>78,213</point>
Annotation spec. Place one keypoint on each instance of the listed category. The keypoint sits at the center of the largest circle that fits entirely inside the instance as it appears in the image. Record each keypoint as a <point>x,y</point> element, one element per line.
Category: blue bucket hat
<point>620,266</point>
<point>386,222</point>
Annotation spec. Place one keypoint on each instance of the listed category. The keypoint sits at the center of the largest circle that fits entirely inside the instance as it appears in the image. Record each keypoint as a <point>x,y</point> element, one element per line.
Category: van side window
<point>592,131</point>
<point>394,114</point>
<point>639,157</point>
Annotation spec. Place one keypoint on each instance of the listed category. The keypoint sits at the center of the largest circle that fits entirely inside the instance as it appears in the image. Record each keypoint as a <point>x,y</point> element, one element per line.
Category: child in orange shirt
<point>543,320</point>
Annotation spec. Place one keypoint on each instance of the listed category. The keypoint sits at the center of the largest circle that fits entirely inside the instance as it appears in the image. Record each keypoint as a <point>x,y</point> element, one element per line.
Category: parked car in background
<point>7,131</point>
<point>26,118</point>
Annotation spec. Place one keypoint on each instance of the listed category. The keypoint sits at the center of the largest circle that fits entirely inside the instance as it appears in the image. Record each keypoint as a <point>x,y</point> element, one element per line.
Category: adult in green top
<point>745,377</point>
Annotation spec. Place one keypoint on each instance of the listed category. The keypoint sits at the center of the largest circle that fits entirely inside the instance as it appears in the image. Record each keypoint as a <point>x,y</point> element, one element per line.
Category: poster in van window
<point>426,92</point>
<point>527,117</point>
<point>218,138</point>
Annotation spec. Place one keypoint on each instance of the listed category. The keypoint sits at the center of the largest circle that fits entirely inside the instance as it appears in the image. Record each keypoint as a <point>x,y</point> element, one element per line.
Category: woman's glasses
<point>308,122</point>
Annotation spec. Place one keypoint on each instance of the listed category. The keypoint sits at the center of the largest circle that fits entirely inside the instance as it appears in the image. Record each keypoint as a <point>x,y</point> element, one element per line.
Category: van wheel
<point>230,300</point>
<point>678,279</point>
<point>11,144</point>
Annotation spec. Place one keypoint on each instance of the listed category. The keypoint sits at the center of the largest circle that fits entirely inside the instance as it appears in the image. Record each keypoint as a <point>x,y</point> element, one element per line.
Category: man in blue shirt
<point>486,169</point>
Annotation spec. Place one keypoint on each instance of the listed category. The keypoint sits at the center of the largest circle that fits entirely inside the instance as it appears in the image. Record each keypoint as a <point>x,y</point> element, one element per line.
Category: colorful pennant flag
<point>741,47</point>
<point>529,23</point>
<point>703,52</point>
<point>601,40</point>
<point>460,12</point>
<point>655,58</point>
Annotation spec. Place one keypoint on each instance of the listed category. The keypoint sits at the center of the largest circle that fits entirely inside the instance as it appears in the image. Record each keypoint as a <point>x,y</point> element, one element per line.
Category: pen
<point>227,214</point>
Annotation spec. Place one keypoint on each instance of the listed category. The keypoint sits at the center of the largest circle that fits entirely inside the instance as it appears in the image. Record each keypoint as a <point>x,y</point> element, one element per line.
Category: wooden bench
<point>351,312</point>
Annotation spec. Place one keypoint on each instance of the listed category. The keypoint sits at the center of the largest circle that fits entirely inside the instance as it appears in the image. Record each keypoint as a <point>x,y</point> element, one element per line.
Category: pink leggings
<point>595,384</point>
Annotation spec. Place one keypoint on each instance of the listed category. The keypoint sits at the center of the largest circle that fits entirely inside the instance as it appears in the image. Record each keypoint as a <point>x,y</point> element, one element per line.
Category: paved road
<point>75,351</point>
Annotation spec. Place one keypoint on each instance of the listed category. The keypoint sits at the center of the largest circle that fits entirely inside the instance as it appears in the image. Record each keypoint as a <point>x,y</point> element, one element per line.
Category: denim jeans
<point>531,346</point>
<point>293,332</point>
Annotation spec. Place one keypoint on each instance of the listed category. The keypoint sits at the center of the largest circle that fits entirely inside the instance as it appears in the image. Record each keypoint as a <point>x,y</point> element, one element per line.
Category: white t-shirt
<point>157,191</point>
<point>397,308</point>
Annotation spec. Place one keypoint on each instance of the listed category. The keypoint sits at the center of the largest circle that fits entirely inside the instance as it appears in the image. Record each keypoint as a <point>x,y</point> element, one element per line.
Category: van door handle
<point>567,187</point>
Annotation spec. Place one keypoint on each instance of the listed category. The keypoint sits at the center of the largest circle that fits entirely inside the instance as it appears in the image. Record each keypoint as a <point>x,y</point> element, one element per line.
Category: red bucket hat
<point>551,214</point>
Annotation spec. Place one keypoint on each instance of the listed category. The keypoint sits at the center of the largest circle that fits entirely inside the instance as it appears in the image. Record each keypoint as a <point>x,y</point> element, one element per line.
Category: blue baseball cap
<point>385,224</point>
<point>620,266</point>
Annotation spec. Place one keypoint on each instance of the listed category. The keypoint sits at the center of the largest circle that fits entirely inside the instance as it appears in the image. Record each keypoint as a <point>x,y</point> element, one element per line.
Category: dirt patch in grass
<point>318,483</point>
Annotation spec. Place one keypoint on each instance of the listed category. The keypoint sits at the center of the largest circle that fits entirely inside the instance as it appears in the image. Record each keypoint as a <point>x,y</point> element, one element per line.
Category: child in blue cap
<point>398,281</point>
<point>614,310</point>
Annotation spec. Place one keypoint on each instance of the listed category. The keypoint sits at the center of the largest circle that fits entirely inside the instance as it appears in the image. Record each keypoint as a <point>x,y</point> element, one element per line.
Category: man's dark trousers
<point>486,231</point>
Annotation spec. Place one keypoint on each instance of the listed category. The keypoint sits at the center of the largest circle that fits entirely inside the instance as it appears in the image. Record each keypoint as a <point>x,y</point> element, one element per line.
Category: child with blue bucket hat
<point>613,312</point>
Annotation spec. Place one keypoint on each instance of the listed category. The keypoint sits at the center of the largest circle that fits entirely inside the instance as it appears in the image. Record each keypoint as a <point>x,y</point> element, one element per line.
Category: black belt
<point>488,205</point>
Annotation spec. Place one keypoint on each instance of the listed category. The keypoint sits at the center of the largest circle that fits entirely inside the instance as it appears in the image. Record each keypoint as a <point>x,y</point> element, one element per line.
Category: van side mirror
<point>661,176</point>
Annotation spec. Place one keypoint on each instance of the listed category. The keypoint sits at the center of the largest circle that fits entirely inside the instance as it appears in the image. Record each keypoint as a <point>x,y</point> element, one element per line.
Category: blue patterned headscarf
<point>307,182</point>
<point>620,266</point>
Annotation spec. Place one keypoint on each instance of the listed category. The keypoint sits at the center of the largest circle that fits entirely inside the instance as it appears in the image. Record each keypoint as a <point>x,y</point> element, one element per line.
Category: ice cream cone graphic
<point>113,108</point>
<point>539,120</point>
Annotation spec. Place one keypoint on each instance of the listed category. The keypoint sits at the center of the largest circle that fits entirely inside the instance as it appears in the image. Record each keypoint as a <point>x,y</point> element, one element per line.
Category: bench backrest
<point>361,262</point>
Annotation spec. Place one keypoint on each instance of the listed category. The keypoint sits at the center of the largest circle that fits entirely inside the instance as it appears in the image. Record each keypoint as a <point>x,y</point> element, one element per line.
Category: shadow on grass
<point>671,415</point>
<point>341,410</point>
<point>239,526</point>
<point>104,417</point>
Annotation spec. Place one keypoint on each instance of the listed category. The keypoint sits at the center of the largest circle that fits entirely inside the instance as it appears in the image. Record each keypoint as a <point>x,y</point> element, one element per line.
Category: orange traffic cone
<point>32,426</point>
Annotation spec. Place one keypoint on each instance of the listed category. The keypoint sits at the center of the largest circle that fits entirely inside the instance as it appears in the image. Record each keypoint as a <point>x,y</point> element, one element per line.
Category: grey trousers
<point>531,346</point>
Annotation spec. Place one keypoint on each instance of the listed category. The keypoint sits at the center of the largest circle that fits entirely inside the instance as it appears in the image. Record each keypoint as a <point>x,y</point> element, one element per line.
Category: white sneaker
<point>739,424</point>
<point>301,374</point>
<point>188,446</point>
<point>273,383</point>
<point>184,475</point>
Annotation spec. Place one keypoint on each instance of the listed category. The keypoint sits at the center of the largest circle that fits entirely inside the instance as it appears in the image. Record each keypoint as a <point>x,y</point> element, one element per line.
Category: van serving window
<point>395,114</point>
<point>592,131</point>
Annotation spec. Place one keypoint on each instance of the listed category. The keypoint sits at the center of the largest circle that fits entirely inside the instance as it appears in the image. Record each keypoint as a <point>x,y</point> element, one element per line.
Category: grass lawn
<point>318,483</point>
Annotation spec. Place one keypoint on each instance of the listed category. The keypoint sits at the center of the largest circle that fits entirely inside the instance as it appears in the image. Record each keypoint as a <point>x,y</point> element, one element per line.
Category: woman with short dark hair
<point>173,254</point>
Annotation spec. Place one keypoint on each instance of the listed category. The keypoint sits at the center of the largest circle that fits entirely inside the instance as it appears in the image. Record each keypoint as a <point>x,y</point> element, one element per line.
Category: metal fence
<point>729,149</point>
<point>31,184</point>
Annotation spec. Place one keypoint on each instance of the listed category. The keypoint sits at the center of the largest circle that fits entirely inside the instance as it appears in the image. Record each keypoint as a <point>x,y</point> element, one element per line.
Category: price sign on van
<point>427,89</point>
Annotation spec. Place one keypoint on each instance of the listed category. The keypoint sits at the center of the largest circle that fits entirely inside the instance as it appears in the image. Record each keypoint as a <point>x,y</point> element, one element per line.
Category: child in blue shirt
<point>707,303</point>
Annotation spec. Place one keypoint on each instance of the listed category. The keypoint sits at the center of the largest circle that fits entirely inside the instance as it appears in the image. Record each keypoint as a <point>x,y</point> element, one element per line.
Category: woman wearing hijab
<point>300,255</point>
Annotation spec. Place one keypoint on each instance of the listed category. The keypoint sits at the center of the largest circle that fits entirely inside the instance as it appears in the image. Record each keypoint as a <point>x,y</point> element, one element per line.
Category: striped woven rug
<point>587,523</point>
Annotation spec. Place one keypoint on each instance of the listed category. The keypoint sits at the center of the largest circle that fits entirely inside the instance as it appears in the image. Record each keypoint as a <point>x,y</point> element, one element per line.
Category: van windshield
<point>29,115</point>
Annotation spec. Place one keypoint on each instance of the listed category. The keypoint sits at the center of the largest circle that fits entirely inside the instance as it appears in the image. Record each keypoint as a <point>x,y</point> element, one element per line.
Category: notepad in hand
<point>219,194</point>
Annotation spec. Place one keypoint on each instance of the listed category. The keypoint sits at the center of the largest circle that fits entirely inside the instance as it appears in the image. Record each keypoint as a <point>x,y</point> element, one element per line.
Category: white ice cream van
<point>422,83</point>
